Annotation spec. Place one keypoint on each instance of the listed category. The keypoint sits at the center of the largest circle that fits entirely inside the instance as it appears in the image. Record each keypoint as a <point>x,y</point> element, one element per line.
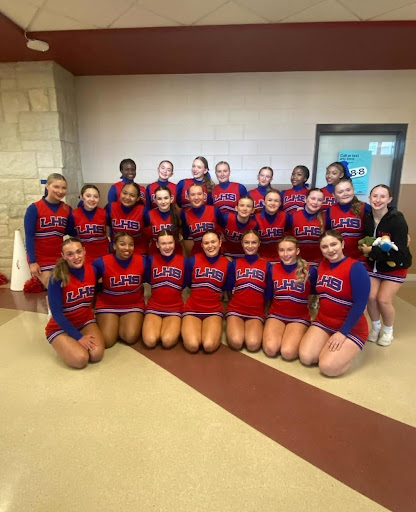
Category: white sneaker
<point>373,336</point>
<point>385,339</point>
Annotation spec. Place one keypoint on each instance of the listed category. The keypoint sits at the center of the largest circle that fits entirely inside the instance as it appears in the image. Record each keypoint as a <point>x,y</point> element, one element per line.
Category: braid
<point>302,272</point>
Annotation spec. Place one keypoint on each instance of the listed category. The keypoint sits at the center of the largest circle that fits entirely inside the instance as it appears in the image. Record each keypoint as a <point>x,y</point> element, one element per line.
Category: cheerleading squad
<point>268,252</point>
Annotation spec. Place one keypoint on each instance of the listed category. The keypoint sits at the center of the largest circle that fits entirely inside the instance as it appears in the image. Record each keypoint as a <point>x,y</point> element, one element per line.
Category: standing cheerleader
<point>340,329</point>
<point>236,223</point>
<point>46,222</point>
<point>72,330</point>
<point>272,224</point>
<point>128,173</point>
<point>165,272</point>
<point>164,172</point>
<point>164,217</point>
<point>288,318</point>
<point>252,287</point>
<point>334,172</point>
<point>307,225</point>
<point>264,179</point>
<point>207,272</point>
<point>120,304</point>
<point>294,198</point>
<point>198,219</point>
<point>126,215</point>
<point>90,224</point>
<point>200,176</point>
<point>226,194</point>
<point>346,217</point>
<point>387,269</point>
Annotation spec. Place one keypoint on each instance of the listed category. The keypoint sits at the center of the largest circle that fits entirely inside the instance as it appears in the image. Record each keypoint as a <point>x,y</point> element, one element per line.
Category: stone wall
<point>38,136</point>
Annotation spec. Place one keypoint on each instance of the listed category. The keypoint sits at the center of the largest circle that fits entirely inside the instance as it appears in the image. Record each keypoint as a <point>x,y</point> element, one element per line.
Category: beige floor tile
<point>8,314</point>
<point>125,435</point>
<point>382,379</point>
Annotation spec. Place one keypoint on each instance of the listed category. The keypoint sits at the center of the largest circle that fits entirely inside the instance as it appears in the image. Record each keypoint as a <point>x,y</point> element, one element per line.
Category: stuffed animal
<point>385,243</point>
<point>368,240</point>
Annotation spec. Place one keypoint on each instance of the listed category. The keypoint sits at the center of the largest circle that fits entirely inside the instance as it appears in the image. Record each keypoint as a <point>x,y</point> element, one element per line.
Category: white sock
<point>387,329</point>
<point>377,325</point>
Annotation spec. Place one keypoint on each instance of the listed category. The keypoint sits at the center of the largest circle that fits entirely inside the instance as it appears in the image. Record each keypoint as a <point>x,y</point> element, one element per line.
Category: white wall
<point>248,119</point>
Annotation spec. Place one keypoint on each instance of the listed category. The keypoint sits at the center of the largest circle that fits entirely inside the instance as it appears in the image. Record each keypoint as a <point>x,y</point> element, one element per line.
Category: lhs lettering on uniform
<point>126,224</point>
<point>125,280</point>
<point>308,231</point>
<point>233,235</point>
<point>288,285</point>
<point>201,227</point>
<point>209,273</point>
<point>175,273</point>
<point>328,201</point>
<point>330,282</point>
<point>346,223</point>
<point>52,222</point>
<point>83,292</point>
<point>294,198</point>
<point>90,229</point>
<point>225,196</point>
<point>251,273</point>
<point>162,227</point>
<point>271,232</point>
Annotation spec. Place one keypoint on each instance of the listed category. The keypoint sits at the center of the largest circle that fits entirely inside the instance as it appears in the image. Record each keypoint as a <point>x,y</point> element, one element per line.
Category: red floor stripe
<point>371,453</point>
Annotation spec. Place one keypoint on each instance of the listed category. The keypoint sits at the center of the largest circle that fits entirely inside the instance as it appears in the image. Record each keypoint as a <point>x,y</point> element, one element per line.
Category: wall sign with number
<point>359,165</point>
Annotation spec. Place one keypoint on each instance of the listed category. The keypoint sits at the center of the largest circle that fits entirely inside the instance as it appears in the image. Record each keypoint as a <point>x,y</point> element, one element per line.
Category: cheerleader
<point>165,272</point>
<point>226,194</point>
<point>128,173</point>
<point>46,222</point>
<point>90,223</point>
<point>340,329</point>
<point>387,270</point>
<point>272,224</point>
<point>264,179</point>
<point>120,303</point>
<point>334,172</point>
<point>198,219</point>
<point>200,176</point>
<point>207,272</point>
<point>346,217</point>
<point>252,287</point>
<point>72,330</point>
<point>164,172</point>
<point>294,198</point>
<point>164,217</point>
<point>235,224</point>
<point>288,317</point>
<point>307,225</point>
<point>126,215</point>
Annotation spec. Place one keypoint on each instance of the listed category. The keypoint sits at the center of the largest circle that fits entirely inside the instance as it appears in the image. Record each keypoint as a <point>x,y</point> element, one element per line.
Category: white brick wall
<point>248,119</point>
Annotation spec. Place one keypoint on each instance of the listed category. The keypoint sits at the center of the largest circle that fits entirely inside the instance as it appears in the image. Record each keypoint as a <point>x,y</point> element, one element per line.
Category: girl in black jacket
<point>387,270</point>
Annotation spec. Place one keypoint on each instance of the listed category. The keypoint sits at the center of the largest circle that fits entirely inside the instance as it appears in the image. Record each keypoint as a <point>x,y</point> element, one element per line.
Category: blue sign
<point>359,165</point>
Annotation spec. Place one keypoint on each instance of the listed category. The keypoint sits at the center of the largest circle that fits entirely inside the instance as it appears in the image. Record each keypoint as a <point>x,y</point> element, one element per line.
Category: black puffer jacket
<point>394,225</point>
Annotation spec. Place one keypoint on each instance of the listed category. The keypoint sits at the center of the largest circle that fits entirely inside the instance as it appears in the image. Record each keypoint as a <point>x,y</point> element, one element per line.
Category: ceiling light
<point>38,45</point>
